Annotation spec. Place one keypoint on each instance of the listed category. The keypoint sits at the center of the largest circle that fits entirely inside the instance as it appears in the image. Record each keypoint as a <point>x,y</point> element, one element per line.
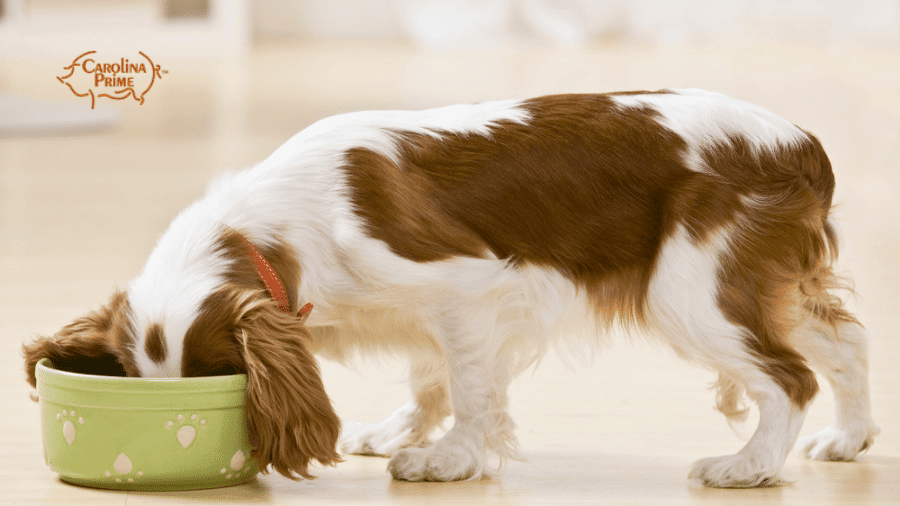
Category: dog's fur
<point>470,238</point>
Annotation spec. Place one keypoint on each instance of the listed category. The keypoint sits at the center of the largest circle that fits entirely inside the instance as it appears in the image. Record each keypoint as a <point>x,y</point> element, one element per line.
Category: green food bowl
<point>145,433</point>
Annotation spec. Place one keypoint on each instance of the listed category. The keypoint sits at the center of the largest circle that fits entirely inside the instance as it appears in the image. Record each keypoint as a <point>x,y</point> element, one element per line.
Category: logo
<point>96,76</point>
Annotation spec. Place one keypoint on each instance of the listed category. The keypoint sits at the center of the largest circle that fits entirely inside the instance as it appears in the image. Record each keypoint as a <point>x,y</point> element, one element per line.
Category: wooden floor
<point>80,214</point>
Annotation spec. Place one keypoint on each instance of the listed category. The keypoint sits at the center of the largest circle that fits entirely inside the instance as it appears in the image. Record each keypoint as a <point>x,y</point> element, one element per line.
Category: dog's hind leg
<point>412,423</point>
<point>838,351</point>
<point>760,461</point>
<point>733,330</point>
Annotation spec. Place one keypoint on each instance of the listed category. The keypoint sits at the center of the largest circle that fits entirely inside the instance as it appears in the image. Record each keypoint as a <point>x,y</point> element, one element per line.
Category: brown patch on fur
<point>210,344</point>
<point>382,190</point>
<point>97,343</point>
<point>583,188</point>
<point>239,329</point>
<point>155,344</point>
<point>280,256</point>
<point>779,265</point>
<point>704,203</point>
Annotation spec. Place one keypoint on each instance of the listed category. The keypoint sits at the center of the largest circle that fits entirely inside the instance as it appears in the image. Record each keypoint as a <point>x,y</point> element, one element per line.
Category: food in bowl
<point>145,433</point>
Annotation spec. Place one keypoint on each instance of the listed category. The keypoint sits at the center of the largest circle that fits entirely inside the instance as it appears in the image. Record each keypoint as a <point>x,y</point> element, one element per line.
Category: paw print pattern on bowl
<point>188,430</point>
<point>238,466</point>
<point>123,467</point>
<point>69,429</point>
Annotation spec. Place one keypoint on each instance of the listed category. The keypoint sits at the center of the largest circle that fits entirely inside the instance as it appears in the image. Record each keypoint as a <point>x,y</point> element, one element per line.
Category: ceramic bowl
<point>145,433</point>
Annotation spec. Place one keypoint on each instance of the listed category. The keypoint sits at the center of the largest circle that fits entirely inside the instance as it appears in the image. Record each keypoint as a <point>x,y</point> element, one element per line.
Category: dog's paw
<point>380,439</point>
<point>734,471</point>
<point>438,463</point>
<point>835,444</point>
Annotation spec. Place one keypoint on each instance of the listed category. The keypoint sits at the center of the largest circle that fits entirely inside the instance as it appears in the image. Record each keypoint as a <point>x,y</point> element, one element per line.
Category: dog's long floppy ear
<point>291,419</point>
<point>93,344</point>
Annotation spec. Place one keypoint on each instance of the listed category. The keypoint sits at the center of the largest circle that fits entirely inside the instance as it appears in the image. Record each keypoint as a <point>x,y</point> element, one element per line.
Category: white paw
<point>735,471</point>
<point>836,444</point>
<point>381,439</point>
<point>438,463</point>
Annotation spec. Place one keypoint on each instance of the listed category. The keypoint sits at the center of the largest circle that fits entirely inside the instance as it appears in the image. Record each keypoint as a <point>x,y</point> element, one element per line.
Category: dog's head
<point>228,327</point>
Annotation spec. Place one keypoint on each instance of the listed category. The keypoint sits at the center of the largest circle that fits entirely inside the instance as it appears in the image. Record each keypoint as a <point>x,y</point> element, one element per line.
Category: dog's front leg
<point>413,422</point>
<point>478,383</point>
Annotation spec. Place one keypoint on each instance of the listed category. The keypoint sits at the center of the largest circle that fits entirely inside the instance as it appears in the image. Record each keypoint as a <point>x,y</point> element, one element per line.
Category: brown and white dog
<point>470,239</point>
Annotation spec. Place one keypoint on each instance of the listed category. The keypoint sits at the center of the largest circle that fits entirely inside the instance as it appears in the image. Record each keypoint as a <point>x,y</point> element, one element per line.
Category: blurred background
<point>418,53</point>
<point>225,27</point>
<point>85,193</point>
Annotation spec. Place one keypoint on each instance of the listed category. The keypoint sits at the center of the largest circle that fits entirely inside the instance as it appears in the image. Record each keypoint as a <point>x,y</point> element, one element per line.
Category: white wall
<point>574,23</point>
<point>54,26</point>
<point>59,27</point>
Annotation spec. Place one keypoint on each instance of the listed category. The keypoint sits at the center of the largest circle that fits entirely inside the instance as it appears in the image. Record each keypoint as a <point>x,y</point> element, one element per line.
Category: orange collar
<point>273,283</point>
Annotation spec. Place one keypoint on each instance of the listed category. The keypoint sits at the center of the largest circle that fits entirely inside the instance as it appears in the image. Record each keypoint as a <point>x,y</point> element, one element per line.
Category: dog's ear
<point>291,419</point>
<point>93,344</point>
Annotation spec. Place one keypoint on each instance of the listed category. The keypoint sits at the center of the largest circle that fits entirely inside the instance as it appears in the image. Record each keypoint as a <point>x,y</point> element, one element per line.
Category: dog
<point>472,238</point>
